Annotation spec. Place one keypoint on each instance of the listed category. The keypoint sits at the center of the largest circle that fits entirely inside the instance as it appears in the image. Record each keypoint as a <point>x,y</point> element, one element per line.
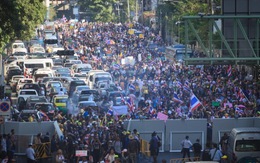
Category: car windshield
<point>63,70</point>
<point>42,99</point>
<point>61,100</point>
<point>55,84</point>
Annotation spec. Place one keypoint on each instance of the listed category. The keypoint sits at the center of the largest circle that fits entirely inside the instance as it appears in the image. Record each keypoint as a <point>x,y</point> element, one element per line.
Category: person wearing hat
<point>133,148</point>
<point>30,154</point>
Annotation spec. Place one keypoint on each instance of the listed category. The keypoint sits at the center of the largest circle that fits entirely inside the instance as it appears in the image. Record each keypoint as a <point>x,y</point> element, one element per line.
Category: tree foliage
<point>98,10</point>
<point>18,19</point>
<point>106,11</point>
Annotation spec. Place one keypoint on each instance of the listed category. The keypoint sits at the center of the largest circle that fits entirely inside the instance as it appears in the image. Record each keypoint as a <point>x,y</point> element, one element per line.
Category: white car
<point>23,81</point>
<point>84,104</point>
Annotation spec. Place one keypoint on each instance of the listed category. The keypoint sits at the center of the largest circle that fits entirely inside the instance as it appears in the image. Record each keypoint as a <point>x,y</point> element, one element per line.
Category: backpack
<point>206,155</point>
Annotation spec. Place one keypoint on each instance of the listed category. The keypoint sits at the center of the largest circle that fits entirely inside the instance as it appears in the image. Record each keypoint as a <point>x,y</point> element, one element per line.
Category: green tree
<point>98,10</point>
<point>18,19</point>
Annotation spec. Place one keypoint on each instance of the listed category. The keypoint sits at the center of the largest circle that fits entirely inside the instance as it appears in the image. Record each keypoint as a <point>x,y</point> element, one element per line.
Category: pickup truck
<point>25,93</point>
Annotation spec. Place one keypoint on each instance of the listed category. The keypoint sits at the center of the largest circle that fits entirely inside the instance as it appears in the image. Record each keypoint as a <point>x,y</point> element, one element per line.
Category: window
<point>27,93</point>
<point>62,100</point>
<point>33,65</point>
<point>48,64</point>
<point>247,145</point>
<point>91,78</point>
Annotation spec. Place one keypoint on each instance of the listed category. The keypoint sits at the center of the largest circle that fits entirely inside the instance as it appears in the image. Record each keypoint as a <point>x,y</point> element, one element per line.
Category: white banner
<point>120,110</point>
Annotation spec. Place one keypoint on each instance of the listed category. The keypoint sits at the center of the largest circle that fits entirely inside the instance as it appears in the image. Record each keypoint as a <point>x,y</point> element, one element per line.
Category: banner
<point>81,153</point>
<point>162,116</point>
<point>230,105</point>
<point>120,110</point>
<point>215,103</point>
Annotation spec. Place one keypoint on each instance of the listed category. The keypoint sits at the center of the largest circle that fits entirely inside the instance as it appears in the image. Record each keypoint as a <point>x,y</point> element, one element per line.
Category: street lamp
<point>118,4</point>
<point>179,31</point>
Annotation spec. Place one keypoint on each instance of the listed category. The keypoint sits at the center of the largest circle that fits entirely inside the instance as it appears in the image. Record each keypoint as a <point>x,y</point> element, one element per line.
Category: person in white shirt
<point>186,145</point>
<point>30,154</point>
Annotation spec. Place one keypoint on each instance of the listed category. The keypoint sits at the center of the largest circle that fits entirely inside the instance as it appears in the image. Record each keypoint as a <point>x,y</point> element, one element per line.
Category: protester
<point>30,154</point>
<point>154,146</point>
<point>186,145</point>
<point>197,150</point>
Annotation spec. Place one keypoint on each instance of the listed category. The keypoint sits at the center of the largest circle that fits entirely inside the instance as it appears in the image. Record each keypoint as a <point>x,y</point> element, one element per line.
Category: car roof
<point>43,103</point>
<point>87,102</point>
<point>27,90</point>
<point>60,96</point>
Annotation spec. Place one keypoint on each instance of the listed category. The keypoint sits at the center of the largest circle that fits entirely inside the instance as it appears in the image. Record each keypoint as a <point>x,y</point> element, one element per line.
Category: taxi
<point>60,102</point>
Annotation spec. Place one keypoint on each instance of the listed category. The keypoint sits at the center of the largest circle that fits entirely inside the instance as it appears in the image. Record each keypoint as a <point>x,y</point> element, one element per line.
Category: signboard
<point>5,108</point>
<point>215,103</point>
<point>130,25</point>
<point>141,36</point>
<point>75,11</point>
<point>131,31</point>
<point>81,153</point>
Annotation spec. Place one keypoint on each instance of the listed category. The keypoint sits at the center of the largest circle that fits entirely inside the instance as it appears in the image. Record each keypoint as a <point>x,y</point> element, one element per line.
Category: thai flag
<point>186,89</point>
<point>116,66</point>
<point>131,87</point>
<point>187,84</point>
<point>110,112</point>
<point>43,115</point>
<point>95,58</point>
<point>194,103</point>
<point>179,84</point>
<point>176,98</point>
<point>152,110</point>
<point>130,104</point>
<point>229,70</point>
<point>239,111</point>
<point>122,99</point>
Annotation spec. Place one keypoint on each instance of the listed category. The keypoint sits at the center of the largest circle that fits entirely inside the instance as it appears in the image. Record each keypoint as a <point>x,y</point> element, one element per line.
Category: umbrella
<point>110,42</point>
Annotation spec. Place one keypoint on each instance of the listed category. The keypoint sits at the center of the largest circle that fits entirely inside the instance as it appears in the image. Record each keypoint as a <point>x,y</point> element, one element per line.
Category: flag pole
<point>244,94</point>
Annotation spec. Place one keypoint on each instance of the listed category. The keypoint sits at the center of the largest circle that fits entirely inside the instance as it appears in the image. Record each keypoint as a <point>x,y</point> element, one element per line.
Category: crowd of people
<point>162,85</point>
<point>156,85</point>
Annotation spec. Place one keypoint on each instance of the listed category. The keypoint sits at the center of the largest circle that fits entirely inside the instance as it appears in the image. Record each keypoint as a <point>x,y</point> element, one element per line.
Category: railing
<point>42,150</point>
<point>145,147</point>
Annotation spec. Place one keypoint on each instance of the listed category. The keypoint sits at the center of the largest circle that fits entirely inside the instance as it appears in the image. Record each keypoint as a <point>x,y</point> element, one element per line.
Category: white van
<point>243,142</point>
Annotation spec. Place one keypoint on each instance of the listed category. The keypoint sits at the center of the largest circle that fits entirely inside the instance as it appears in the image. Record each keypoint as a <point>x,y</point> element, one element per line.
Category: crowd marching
<point>156,86</point>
